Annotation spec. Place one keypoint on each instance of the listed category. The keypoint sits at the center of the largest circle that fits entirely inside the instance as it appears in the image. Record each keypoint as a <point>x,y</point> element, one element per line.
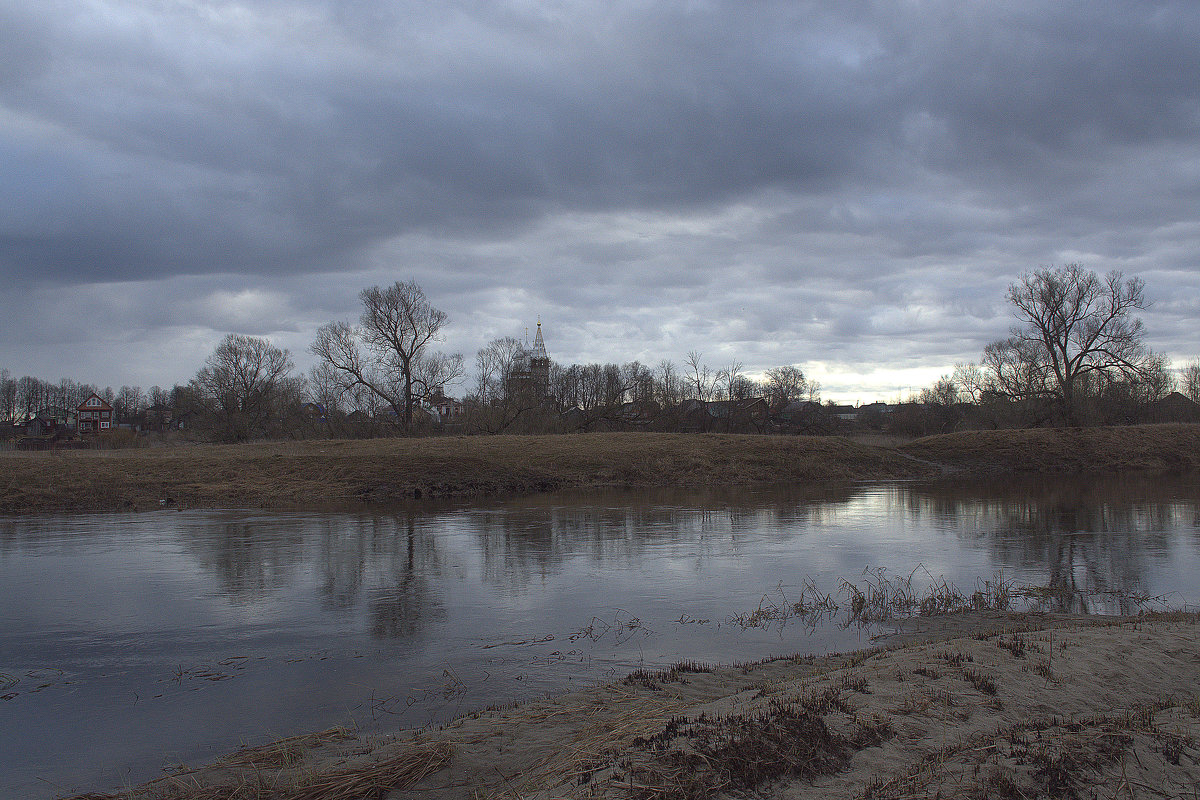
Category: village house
<point>43,424</point>
<point>445,409</point>
<point>94,416</point>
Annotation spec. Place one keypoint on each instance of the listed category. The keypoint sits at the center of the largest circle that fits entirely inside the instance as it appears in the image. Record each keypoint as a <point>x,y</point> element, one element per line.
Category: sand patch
<point>1018,707</point>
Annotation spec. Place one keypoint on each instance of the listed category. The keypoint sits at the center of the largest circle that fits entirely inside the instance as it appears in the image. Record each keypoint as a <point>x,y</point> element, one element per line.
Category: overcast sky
<point>846,186</point>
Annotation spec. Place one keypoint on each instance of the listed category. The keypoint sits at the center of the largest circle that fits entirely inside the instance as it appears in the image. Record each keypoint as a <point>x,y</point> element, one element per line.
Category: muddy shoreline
<point>964,705</point>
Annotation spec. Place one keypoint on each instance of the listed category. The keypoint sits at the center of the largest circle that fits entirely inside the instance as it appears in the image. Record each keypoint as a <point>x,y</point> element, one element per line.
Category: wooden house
<point>43,425</point>
<point>94,416</point>
<point>750,414</point>
<point>445,409</point>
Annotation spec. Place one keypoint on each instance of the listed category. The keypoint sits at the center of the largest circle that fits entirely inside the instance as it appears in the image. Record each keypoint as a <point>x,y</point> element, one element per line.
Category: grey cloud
<point>862,179</point>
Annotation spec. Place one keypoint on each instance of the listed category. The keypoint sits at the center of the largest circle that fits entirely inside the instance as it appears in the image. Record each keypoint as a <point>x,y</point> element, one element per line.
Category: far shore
<point>315,474</point>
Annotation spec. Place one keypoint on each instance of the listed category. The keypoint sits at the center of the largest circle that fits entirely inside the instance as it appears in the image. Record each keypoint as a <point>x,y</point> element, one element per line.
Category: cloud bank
<point>850,187</point>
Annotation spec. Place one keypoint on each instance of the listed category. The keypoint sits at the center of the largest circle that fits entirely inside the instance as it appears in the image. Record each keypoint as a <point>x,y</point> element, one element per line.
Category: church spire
<point>539,346</point>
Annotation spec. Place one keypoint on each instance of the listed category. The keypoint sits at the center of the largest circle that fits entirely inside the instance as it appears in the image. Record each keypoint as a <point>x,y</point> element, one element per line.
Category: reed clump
<point>880,597</point>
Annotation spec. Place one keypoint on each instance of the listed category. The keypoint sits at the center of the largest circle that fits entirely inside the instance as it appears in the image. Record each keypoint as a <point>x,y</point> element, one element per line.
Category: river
<point>131,643</point>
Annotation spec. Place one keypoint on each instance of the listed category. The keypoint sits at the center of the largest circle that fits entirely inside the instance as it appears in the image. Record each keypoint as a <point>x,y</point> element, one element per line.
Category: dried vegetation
<point>1063,450</point>
<point>316,473</point>
<point>312,474</point>
<point>281,771</point>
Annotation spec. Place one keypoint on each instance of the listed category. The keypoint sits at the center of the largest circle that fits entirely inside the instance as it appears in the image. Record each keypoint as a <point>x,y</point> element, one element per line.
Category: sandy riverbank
<point>954,706</point>
<point>316,474</point>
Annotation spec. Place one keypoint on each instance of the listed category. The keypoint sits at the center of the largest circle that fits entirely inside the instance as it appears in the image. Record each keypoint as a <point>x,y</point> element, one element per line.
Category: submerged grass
<point>880,597</point>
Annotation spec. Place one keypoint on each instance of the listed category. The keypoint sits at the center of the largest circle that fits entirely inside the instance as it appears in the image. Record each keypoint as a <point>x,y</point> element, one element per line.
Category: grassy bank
<point>1063,450</point>
<point>321,473</point>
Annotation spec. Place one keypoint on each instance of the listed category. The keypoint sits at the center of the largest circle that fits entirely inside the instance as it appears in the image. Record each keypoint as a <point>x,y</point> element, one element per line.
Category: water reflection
<point>1096,537</point>
<point>360,617</point>
<point>407,560</point>
<point>526,541</point>
<point>247,563</point>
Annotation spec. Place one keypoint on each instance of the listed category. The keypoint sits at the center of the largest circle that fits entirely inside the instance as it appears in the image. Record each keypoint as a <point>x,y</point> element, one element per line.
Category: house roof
<point>100,406</point>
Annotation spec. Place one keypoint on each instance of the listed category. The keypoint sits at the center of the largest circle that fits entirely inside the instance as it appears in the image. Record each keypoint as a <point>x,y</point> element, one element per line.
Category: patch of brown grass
<point>701,758</point>
<point>1064,450</point>
<point>324,473</point>
<point>313,474</point>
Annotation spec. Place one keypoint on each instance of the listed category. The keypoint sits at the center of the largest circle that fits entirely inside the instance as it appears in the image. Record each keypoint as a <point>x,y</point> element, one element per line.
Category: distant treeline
<point>1076,356</point>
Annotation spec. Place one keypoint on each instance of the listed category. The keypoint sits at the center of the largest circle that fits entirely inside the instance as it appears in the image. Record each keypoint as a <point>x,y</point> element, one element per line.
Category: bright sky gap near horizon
<point>850,187</point>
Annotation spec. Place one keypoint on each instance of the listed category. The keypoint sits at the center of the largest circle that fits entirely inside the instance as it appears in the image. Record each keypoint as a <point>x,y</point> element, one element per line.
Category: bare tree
<point>158,408</point>
<point>1073,327</point>
<point>668,386</point>
<point>731,377</point>
<point>130,402</point>
<point>494,368</point>
<point>784,385</point>
<point>1155,381</point>
<point>8,397</point>
<point>944,392</point>
<point>971,381</point>
<point>388,354</point>
<point>699,377</point>
<point>1189,380</point>
<point>243,383</point>
<point>640,381</point>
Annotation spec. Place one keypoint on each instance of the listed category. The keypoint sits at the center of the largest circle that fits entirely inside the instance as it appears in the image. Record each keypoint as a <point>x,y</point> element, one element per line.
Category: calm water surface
<point>130,642</point>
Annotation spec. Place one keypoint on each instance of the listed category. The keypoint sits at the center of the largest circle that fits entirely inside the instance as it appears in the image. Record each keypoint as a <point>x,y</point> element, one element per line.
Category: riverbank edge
<point>953,702</point>
<point>319,474</point>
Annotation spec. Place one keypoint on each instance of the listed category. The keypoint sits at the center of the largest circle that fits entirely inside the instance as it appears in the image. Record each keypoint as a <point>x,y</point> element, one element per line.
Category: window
<point>103,424</point>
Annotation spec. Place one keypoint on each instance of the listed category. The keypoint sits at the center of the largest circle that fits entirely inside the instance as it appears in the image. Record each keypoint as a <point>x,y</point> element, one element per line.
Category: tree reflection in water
<point>528,540</point>
<point>406,557</point>
<point>1093,535</point>
<point>250,558</point>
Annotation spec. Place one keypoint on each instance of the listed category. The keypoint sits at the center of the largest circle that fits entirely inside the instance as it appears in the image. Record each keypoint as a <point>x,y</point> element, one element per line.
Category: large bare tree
<point>1074,330</point>
<point>784,384</point>
<point>388,353</point>
<point>244,384</point>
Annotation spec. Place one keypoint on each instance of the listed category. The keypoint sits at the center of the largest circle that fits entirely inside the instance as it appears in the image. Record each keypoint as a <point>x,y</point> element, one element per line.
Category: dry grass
<point>279,772</point>
<point>1064,450</point>
<point>693,759</point>
<point>312,474</point>
<point>1098,755</point>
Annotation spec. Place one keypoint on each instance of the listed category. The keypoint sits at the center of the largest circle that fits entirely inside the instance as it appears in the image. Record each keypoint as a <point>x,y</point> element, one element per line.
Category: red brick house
<point>94,416</point>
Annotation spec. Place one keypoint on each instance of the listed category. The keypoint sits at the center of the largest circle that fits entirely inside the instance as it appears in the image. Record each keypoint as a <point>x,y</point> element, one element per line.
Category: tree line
<point>1076,355</point>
